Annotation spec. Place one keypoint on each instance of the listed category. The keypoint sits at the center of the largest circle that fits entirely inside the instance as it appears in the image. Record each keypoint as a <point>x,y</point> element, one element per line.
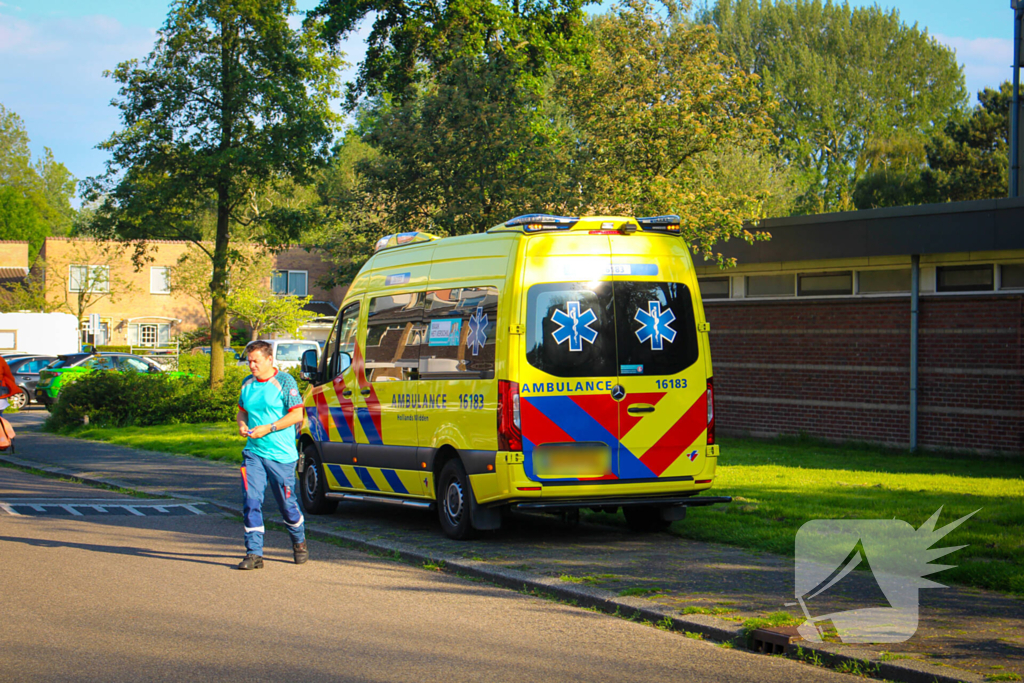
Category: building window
<point>100,338</point>
<point>1011,276</point>
<point>149,334</point>
<point>159,280</point>
<point>825,284</point>
<point>964,279</point>
<point>770,285</point>
<point>881,281</point>
<point>89,279</point>
<point>289,282</point>
<point>714,287</point>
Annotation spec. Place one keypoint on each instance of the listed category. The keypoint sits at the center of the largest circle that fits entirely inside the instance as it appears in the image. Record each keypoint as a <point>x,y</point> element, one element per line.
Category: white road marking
<point>9,510</point>
<point>193,510</point>
<point>72,510</point>
<point>38,508</point>
<point>132,510</point>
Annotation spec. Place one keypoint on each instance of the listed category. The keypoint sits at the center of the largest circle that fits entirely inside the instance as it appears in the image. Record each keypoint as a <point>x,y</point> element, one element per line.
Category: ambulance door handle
<point>638,408</point>
<point>346,393</point>
<point>365,392</point>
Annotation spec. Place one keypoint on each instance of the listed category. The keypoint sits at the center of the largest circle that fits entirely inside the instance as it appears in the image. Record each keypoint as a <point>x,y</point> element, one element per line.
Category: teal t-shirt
<point>267,401</point>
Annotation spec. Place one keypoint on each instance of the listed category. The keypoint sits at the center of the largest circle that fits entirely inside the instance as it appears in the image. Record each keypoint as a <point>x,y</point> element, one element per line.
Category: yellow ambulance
<point>551,363</point>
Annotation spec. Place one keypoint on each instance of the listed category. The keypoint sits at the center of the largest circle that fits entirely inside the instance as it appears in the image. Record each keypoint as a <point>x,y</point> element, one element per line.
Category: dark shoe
<point>251,562</point>
<point>301,552</point>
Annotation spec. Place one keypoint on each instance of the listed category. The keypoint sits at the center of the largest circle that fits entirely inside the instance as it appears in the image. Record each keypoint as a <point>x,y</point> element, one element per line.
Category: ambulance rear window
<point>601,329</point>
<point>570,330</point>
<point>657,333</point>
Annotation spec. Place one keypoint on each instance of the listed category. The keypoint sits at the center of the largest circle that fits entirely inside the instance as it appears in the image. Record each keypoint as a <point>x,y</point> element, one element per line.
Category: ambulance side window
<point>394,334</point>
<point>461,328</point>
<point>343,339</point>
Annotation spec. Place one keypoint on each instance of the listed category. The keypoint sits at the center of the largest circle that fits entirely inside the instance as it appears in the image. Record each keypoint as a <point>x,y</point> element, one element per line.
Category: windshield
<point>293,352</point>
<point>68,361</point>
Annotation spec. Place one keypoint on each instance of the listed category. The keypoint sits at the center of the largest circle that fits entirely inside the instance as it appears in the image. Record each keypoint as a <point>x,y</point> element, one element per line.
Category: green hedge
<point>121,399</point>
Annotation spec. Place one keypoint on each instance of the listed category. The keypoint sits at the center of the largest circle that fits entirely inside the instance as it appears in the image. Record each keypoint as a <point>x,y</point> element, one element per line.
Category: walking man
<point>268,409</point>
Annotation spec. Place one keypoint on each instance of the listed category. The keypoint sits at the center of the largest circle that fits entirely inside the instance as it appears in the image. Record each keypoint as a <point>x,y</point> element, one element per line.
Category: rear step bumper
<point>676,501</point>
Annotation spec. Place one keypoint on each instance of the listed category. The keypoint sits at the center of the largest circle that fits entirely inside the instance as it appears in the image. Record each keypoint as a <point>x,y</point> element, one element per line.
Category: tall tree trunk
<point>219,284</point>
<point>219,289</point>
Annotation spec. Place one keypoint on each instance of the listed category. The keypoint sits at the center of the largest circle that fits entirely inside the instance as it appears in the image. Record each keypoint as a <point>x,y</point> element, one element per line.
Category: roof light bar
<point>533,222</point>
<point>403,238</point>
<point>668,223</point>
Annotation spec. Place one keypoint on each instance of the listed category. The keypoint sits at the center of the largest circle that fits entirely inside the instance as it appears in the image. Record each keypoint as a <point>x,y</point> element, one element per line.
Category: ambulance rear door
<point>661,386</point>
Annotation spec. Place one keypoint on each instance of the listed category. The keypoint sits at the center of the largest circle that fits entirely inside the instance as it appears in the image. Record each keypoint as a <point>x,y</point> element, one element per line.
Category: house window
<point>1012,276</point>
<point>881,281</point>
<point>100,338</point>
<point>289,282</point>
<point>89,279</point>
<point>149,334</point>
<point>825,284</point>
<point>159,280</point>
<point>714,287</point>
<point>8,340</point>
<point>964,279</point>
<point>770,285</point>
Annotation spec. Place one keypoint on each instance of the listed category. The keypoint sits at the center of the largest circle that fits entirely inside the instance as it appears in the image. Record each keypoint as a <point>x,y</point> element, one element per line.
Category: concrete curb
<point>841,657</point>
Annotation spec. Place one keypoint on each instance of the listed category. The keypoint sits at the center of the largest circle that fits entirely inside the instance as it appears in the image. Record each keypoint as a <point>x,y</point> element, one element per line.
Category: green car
<point>69,367</point>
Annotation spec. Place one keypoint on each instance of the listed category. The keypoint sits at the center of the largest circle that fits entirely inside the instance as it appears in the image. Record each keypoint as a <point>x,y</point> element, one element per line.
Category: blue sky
<point>53,53</point>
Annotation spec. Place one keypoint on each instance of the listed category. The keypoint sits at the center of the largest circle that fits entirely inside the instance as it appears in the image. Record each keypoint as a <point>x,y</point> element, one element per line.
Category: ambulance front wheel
<point>645,518</point>
<point>313,485</point>
<point>453,501</point>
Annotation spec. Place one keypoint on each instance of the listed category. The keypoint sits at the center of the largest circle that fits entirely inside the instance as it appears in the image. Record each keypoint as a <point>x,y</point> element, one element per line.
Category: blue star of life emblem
<point>477,330</point>
<point>574,326</point>
<point>655,325</point>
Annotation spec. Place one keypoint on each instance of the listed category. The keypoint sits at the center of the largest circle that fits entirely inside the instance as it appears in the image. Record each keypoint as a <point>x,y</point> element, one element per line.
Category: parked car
<point>26,375</point>
<point>287,352</point>
<point>55,375</point>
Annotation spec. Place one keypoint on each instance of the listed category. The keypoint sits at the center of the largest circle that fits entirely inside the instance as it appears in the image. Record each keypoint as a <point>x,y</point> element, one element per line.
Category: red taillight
<point>510,436</point>
<point>711,412</point>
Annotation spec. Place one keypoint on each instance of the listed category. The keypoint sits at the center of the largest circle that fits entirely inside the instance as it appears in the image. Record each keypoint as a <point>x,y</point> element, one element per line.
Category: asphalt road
<point>153,597</point>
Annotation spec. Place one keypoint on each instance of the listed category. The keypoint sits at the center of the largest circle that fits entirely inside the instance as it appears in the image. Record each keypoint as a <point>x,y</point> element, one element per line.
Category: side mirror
<point>307,369</point>
<point>344,361</point>
<point>153,370</point>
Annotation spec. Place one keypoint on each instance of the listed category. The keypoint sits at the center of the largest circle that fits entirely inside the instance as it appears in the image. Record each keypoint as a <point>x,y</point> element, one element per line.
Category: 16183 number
<point>675,383</point>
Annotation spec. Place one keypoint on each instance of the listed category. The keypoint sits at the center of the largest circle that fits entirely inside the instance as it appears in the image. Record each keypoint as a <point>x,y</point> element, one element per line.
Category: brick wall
<point>839,369</point>
<point>13,254</point>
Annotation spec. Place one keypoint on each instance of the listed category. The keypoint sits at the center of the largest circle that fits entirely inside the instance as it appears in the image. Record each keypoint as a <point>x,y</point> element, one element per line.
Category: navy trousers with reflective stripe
<point>257,472</point>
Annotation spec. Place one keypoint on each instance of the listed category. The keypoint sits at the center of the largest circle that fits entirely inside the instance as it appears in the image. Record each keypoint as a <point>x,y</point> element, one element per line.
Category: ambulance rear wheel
<point>644,518</point>
<point>313,485</point>
<point>453,501</point>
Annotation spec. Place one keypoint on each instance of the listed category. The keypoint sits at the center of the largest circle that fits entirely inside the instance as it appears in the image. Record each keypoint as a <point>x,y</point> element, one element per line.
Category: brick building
<point>14,266</point>
<point>137,307</point>
<point>813,332</point>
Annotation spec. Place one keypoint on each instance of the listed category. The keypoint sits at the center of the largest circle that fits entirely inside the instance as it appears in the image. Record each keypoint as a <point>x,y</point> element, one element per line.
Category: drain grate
<point>775,641</point>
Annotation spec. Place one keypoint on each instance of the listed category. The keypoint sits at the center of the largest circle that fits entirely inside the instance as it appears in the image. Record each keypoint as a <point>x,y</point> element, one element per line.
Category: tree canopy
<point>230,103</point>
<point>35,198</point>
<point>844,78</point>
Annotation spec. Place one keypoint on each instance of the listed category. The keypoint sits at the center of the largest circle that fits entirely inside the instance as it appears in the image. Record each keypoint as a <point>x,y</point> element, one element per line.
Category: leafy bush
<point>121,399</point>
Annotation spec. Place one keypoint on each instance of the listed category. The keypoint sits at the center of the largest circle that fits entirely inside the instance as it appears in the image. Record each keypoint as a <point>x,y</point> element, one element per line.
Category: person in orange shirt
<point>8,387</point>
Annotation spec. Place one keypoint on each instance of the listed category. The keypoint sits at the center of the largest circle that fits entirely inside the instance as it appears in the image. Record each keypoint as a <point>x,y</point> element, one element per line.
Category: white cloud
<point>987,62</point>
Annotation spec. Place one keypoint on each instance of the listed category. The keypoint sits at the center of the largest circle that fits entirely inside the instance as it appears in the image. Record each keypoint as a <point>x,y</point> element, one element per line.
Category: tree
<point>84,275</point>
<point>966,160</point>
<point>35,199</point>
<point>267,313</point>
<point>230,101</point>
<point>192,274</point>
<point>28,295</point>
<point>652,113</point>
<point>969,159</point>
<point>843,77</point>
<point>412,41</point>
